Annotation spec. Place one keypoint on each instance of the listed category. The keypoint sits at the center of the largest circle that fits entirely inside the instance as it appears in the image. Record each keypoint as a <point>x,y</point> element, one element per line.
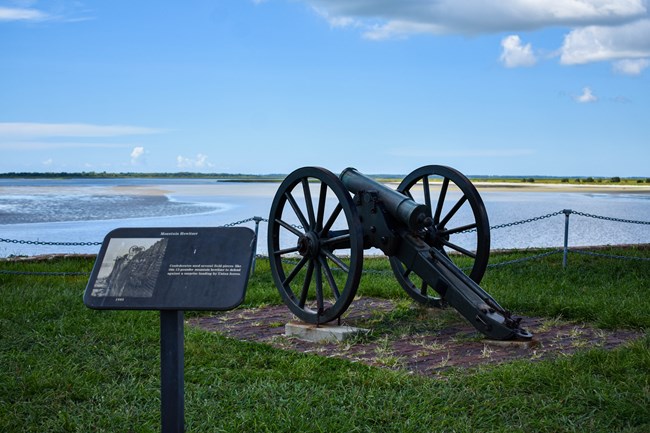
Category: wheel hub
<point>308,245</point>
<point>433,236</point>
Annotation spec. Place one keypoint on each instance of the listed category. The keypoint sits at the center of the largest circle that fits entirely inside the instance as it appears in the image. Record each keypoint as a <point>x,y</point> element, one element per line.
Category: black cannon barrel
<point>400,206</point>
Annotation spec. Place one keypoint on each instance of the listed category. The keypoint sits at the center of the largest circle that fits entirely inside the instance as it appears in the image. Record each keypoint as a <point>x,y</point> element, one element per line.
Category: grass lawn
<point>65,367</point>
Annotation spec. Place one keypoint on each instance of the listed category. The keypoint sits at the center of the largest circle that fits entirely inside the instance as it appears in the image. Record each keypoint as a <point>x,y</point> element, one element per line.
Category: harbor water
<point>36,212</point>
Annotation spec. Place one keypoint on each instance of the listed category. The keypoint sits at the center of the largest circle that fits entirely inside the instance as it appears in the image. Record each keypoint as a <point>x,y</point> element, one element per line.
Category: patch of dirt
<point>424,341</point>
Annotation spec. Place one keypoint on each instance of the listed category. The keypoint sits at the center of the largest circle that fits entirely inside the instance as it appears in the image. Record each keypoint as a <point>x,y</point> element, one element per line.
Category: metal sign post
<point>172,356</point>
<point>172,270</point>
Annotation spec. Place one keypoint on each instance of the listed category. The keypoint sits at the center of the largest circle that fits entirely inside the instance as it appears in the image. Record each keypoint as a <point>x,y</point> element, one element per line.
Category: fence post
<point>566,212</point>
<point>257,228</point>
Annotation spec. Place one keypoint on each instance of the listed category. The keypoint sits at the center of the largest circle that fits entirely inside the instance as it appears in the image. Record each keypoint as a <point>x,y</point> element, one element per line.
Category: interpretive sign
<point>205,268</point>
<point>172,270</point>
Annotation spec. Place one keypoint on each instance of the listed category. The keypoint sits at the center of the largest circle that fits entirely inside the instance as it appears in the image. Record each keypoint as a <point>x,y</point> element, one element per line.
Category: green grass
<point>65,368</point>
<point>610,293</point>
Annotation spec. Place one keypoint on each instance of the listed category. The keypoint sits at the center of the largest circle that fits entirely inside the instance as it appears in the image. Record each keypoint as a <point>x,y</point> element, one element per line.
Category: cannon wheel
<point>315,242</point>
<point>458,214</point>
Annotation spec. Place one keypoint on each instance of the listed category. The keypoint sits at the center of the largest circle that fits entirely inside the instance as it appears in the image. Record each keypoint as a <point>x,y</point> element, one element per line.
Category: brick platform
<point>423,351</point>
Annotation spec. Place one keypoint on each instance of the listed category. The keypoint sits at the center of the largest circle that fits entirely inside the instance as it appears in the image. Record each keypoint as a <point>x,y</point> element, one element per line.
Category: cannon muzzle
<point>414,215</point>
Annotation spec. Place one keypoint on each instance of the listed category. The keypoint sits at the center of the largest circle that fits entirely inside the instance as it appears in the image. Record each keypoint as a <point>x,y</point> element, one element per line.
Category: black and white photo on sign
<point>130,268</point>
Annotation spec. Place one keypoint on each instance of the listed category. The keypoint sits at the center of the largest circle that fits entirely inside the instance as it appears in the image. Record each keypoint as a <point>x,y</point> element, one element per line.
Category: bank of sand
<point>265,188</point>
<point>241,189</point>
<point>553,187</point>
<point>562,187</point>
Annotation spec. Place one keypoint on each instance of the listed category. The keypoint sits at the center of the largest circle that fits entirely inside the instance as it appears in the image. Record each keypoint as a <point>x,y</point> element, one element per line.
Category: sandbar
<point>235,189</point>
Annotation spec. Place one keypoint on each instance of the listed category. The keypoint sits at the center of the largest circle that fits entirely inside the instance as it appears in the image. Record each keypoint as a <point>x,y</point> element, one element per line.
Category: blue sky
<point>525,87</point>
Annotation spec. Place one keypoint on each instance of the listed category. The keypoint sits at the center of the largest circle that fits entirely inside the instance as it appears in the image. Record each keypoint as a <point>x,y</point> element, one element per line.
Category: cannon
<point>433,228</point>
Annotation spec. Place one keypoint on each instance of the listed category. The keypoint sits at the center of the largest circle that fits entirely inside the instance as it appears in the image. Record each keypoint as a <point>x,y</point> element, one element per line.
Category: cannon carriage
<point>320,224</point>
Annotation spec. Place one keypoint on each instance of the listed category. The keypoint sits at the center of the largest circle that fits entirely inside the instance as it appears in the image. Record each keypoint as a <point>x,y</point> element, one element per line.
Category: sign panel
<point>204,268</point>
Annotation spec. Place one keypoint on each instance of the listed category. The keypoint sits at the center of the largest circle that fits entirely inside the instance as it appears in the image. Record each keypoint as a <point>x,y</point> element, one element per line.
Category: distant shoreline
<point>563,187</point>
<point>235,188</point>
<point>508,181</point>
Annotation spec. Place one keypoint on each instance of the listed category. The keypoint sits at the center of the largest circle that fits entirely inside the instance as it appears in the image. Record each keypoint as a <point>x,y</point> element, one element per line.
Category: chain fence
<point>66,244</point>
<point>257,220</point>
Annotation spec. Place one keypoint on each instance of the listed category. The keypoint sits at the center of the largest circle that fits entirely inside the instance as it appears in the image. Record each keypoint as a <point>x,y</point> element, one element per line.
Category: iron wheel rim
<point>315,281</point>
<point>442,235</point>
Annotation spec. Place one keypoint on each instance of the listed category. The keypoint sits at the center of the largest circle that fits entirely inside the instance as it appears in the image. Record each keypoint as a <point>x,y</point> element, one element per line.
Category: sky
<point>489,87</point>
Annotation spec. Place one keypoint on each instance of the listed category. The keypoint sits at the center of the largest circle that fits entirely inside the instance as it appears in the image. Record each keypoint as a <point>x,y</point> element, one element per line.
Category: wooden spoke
<point>321,207</point>
<point>427,191</point>
<point>460,229</point>
<point>441,201</point>
<point>336,239</point>
<point>297,211</point>
<point>286,251</point>
<point>338,262</point>
<point>289,227</point>
<point>453,211</point>
<point>330,278</point>
<point>310,205</point>
<point>319,288</point>
<point>459,249</point>
<point>294,272</point>
<point>330,221</point>
<point>305,285</point>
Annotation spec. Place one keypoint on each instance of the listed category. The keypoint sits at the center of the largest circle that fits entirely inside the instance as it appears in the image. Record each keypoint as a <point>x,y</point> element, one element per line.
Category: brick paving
<point>422,349</point>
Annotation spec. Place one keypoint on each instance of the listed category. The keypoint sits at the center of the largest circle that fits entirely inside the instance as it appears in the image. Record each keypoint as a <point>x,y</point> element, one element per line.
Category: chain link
<point>67,244</point>
<point>257,220</point>
<point>516,223</point>
<point>89,244</point>
<point>609,218</point>
<point>236,223</point>
<point>526,221</point>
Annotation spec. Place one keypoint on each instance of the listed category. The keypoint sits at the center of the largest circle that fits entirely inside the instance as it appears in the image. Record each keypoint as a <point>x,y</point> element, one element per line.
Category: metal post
<point>566,212</point>
<point>257,228</point>
<point>172,354</point>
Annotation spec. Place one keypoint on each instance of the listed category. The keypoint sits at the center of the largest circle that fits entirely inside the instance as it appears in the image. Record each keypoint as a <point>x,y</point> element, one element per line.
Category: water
<point>85,210</point>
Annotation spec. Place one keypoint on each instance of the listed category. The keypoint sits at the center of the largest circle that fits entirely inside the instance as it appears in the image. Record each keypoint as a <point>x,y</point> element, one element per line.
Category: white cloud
<point>600,30</point>
<point>59,11</point>
<point>586,96</point>
<point>515,54</point>
<point>48,162</point>
<point>631,66</point>
<point>399,17</point>
<point>399,28</point>
<point>201,161</point>
<point>598,43</point>
<point>22,14</point>
<point>32,130</point>
<point>137,154</point>
<point>23,136</point>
